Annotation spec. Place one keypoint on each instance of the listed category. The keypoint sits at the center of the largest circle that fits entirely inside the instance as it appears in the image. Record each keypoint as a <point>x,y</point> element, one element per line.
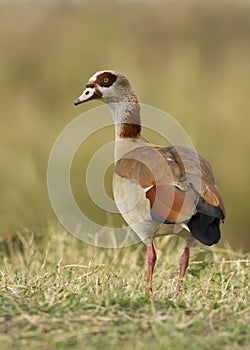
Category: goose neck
<point>127,120</point>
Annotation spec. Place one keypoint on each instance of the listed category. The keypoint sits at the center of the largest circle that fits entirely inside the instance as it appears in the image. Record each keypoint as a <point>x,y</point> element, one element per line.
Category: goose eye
<point>106,80</point>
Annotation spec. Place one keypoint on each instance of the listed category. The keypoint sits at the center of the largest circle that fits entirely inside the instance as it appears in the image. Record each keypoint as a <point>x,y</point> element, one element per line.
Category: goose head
<point>109,87</point>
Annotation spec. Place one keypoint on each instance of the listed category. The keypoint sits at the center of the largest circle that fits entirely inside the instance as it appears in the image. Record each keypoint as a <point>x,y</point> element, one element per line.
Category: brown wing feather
<point>198,173</point>
<point>179,177</point>
<point>171,204</point>
<point>147,165</point>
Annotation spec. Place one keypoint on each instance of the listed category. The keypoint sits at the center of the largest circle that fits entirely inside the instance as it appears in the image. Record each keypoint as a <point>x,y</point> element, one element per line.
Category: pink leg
<point>184,260</point>
<point>151,264</point>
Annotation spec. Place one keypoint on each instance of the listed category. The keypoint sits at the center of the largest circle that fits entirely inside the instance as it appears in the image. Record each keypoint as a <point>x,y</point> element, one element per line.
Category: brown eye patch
<point>106,79</point>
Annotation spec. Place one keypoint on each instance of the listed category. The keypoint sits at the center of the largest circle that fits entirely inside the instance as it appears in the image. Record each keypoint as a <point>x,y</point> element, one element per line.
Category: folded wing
<point>180,186</point>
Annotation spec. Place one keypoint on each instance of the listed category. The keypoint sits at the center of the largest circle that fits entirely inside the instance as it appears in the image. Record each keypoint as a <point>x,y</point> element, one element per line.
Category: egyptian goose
<point>158,190</point>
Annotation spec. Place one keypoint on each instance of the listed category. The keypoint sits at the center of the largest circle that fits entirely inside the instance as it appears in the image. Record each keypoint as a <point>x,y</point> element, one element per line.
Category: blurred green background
<point>190,59</point>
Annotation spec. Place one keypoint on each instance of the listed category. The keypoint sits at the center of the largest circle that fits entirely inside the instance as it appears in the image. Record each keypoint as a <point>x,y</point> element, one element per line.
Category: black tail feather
<point>205,228</point>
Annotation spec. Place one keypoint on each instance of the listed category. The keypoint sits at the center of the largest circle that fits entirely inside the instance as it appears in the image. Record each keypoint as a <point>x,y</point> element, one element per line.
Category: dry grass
<point>70,295</point>
<point>59,293</point>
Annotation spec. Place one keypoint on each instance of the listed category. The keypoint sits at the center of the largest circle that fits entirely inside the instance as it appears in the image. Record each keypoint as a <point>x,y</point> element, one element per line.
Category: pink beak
<point>88,94</point>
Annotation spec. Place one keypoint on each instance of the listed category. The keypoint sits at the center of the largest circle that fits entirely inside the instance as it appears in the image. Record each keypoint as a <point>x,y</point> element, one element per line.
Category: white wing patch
<point>146,189</point>
<point>185,227</point>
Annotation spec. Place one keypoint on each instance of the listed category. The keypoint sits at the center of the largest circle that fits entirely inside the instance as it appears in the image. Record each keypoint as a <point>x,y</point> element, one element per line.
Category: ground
<point>61,293</point>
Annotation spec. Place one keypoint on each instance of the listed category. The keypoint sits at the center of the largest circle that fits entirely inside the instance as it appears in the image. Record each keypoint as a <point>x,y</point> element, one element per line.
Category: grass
<point>64,294</point>
<point>59,293</point>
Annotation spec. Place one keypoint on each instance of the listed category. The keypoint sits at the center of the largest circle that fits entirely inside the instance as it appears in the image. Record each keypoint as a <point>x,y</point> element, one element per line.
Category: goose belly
<point>134,207</point>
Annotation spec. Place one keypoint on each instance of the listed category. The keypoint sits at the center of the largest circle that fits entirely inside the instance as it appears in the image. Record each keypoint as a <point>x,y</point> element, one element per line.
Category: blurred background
<point>188,58</point>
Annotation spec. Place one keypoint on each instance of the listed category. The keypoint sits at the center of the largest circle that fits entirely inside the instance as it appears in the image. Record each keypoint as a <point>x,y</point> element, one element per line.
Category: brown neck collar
<point>128,123</point>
